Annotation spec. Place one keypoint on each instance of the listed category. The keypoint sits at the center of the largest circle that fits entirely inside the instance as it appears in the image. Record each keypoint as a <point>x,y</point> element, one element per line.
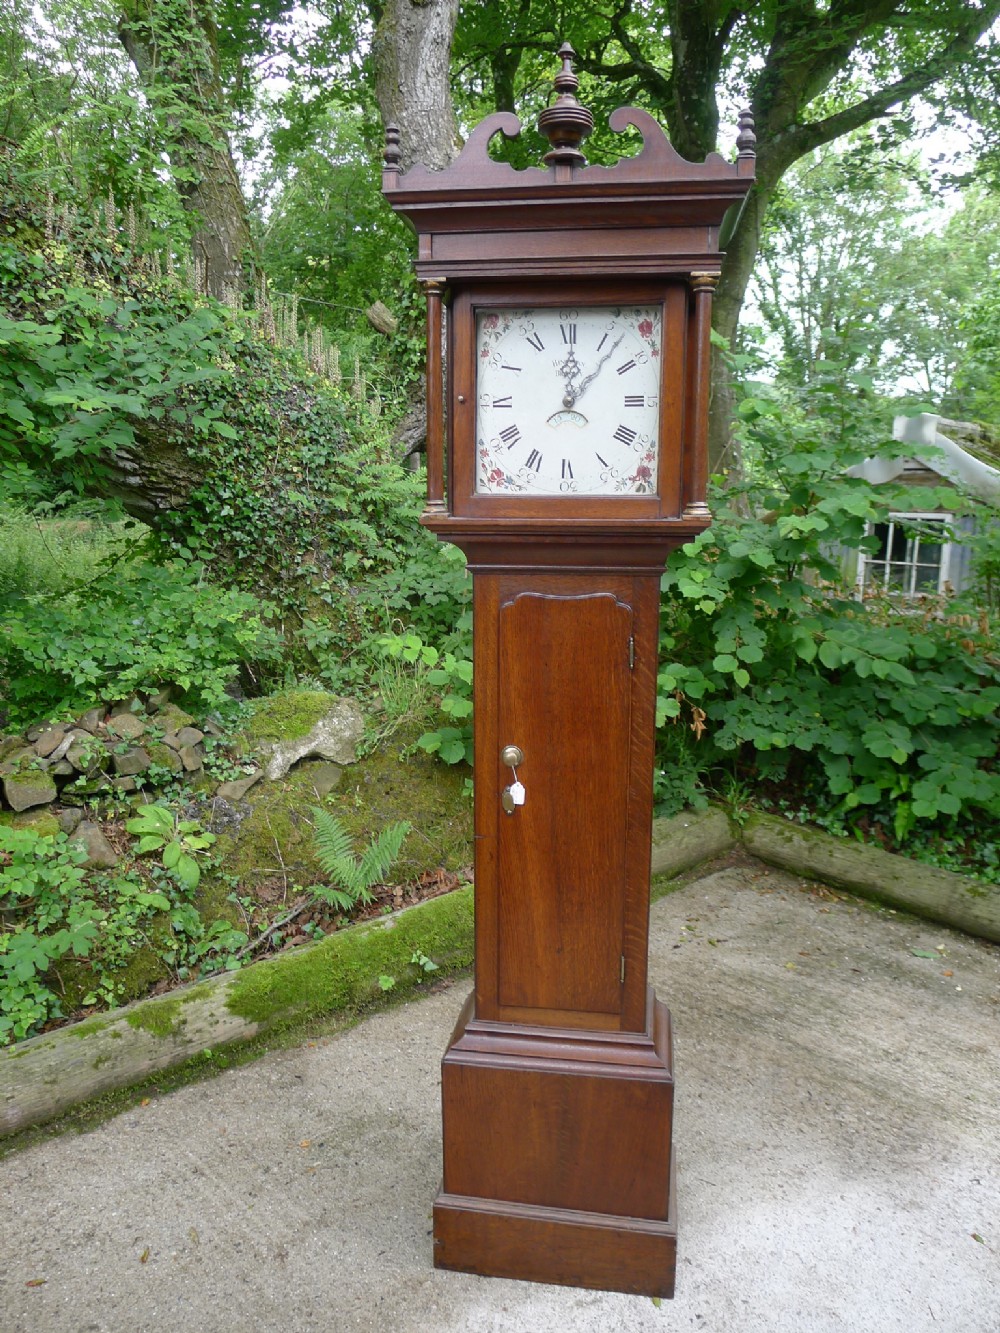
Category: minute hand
<point>589,379</point>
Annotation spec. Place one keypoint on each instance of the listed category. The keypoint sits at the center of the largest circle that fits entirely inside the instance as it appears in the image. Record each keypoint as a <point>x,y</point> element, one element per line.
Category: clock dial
<point>568,400</point>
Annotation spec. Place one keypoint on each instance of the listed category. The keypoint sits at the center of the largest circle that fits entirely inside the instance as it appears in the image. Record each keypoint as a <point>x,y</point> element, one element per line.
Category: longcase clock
<point>566,458</point>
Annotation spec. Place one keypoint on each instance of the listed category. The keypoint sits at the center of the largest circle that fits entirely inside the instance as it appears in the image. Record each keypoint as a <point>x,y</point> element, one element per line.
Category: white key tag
<point>517,793</point>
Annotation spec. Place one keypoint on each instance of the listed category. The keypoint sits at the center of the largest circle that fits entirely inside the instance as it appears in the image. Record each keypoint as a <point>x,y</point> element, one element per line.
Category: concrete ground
<point>837,1133</point>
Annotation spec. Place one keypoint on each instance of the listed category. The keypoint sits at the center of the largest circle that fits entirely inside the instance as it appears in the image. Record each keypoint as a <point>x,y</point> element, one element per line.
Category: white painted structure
<point>920,548</point>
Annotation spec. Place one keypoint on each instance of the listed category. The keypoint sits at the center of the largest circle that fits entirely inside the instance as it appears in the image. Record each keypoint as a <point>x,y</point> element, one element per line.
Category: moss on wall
<point>38,821</point>
<point>342,972</point>
<point>275,837</point>
<point>165,1015</point>
<point>392,784</point>
<point>160,1017</point>
<point>286,716</point>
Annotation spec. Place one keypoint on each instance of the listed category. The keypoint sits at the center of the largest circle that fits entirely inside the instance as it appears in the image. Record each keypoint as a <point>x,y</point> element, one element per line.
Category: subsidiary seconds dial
<point>568,400</point>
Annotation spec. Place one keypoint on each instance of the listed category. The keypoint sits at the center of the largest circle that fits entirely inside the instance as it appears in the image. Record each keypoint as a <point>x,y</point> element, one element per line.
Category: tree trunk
<point>153,478</point>
<point>412,55</point>
<point>174,47</point>
<point>737,268</point>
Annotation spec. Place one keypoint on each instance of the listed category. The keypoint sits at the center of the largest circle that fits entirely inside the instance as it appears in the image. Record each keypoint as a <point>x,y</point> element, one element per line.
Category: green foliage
<point>53,909</point>
<point>280,482</point>
<point>72,113</point>
<point>178,840</point>
<point>353,877</point>
<point>878,711</point>
<point>451,673</point>
<point>979,375</point>
<point>855,257</point>
<point>40,922</point>
<point>429,592</point>
<point>40,553</point>
<point>330,239</point>
<point>131,627</point>
<point>85,361</point>
<point>297,501</point>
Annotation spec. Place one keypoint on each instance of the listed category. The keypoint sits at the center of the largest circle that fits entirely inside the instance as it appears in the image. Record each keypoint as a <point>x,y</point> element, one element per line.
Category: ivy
<point>281,485</point>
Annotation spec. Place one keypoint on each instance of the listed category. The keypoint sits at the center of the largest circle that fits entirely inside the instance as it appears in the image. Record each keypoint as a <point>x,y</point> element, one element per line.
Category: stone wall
<point>65,775</point>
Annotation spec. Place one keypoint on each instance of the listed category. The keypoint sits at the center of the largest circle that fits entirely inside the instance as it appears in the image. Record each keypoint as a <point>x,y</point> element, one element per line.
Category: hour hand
<point>569,370</point>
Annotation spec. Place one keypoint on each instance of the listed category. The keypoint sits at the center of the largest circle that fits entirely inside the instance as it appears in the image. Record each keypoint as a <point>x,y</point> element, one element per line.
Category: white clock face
<point>568,400</point>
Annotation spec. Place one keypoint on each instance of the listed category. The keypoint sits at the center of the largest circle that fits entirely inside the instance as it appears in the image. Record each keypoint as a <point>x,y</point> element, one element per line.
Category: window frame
<point>865,586</point>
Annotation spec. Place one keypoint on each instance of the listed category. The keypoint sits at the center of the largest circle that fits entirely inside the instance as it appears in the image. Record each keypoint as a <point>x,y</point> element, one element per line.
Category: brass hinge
<point>623,969</point>
<point>631,652</point>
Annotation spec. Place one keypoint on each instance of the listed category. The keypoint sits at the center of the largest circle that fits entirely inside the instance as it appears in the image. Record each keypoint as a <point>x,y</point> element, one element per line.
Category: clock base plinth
<point>558,1160</point>
<point>494,1238</point>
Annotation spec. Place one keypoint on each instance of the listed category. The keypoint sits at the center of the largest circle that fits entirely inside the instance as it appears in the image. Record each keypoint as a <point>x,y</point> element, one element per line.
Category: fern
<point>352,877</point>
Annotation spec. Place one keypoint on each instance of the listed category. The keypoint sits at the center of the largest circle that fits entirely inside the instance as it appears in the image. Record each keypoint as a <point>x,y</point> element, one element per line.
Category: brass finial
<point>566,123</point>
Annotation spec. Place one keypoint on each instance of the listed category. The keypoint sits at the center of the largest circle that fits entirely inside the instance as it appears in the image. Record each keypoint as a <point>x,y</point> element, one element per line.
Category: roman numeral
<point>515,369</point>
<point>534,460</point>
<point>625,436</point>
<point>567,470</point>
<point>503,402</point>
<point>568,333</point>
<point>536,341</point>
<point>602,342</point>
<point>627,366</point>
<point>631,400</point>
<point>510,436</point>
<point>603,461</point>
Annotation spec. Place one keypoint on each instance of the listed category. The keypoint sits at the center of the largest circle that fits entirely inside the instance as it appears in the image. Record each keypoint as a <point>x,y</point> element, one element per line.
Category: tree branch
<point>801,139</point>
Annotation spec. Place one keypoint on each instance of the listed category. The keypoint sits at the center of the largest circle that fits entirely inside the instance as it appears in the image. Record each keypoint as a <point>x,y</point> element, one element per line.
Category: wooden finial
<point>392,155</point>
<point>566,123</point>
<point>746,140</point>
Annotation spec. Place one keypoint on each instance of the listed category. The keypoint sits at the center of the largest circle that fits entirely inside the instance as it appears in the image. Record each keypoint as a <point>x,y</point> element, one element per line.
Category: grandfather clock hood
<point>654,213</point>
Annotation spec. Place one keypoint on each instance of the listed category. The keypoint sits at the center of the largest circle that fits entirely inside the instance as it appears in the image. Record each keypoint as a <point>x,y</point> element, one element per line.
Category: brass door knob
<point>512,756</point>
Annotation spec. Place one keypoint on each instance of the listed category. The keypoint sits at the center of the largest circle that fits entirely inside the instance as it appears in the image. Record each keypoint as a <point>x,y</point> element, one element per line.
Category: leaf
<point>328,893</point>
<point>923,953</point>
<point>333,843</point>
<point>153,819</point>
<point>381,854</point>
<point>452,751</point>
<point>172,854</point>
<point>829,653</point>
<point>187,871</point>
